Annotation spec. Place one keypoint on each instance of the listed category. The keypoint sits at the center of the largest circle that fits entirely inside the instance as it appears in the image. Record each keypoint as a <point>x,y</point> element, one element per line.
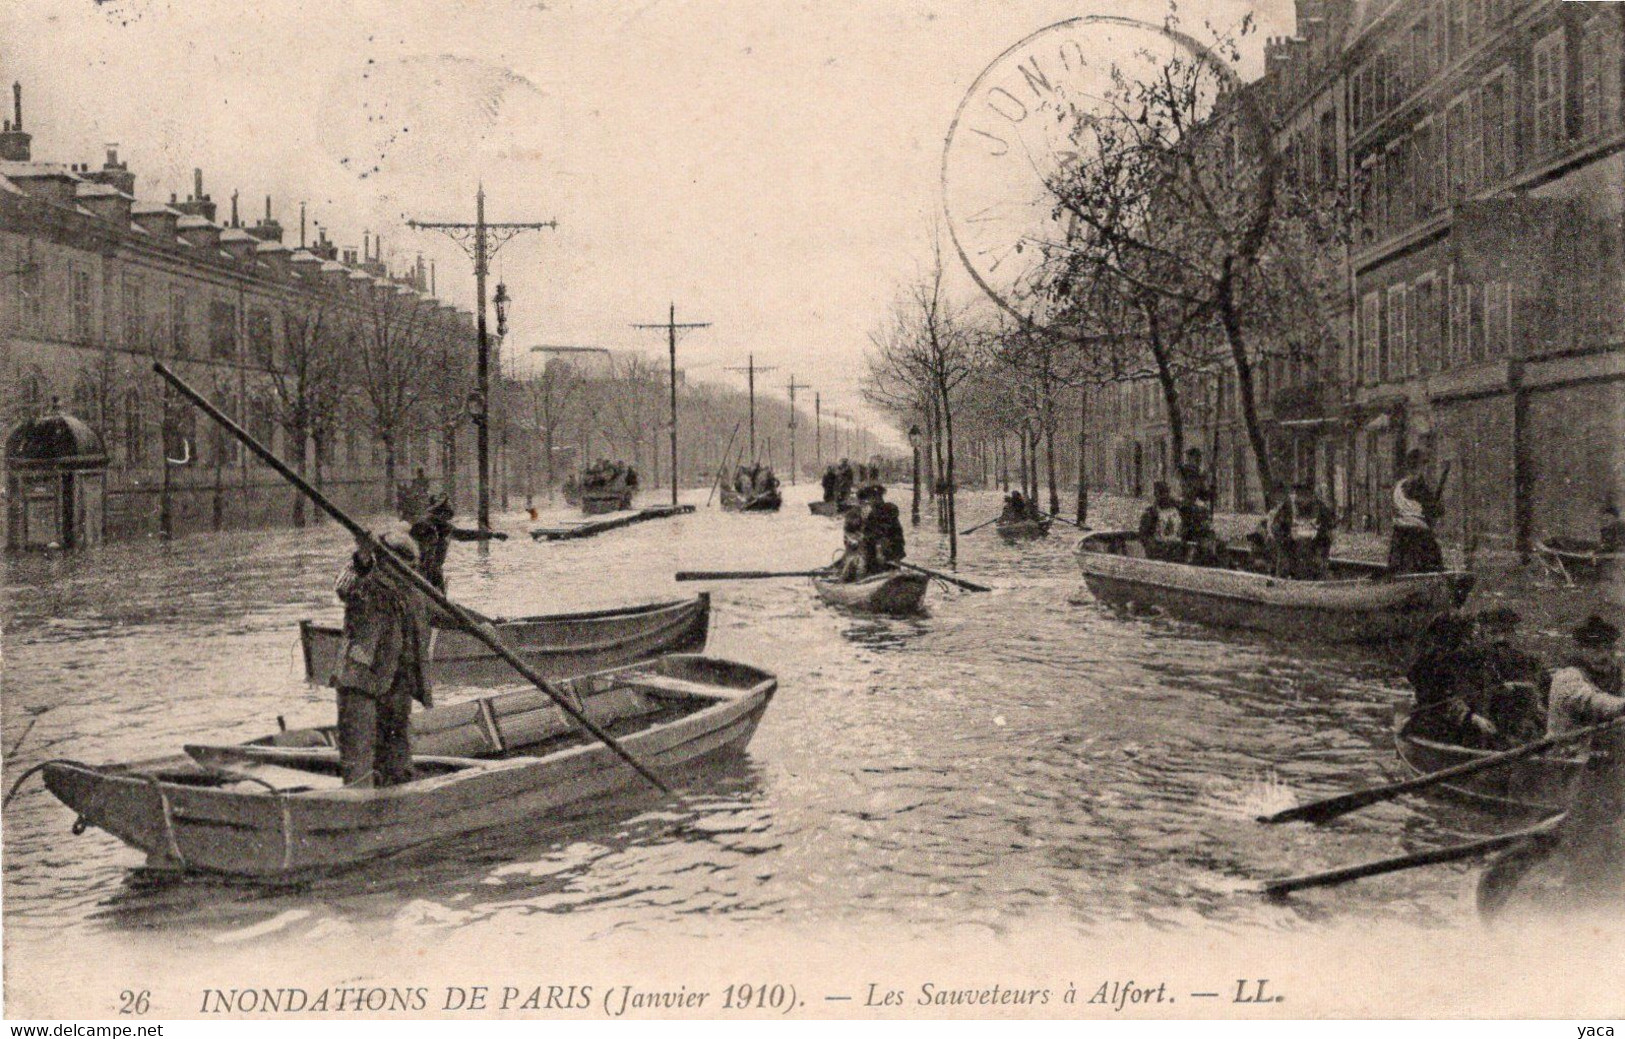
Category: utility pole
<point>794,386</point>
<point>750,370</point>
<point>671,326</point>
<point>481,241</point>
<point>818,428</point>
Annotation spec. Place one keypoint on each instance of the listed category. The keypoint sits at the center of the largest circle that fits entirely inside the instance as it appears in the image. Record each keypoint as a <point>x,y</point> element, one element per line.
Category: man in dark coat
<point>1513,684</point>
<point>381,668</point>
<point>434,533</point>
<point>883,529</point>
<point>1413,546</point>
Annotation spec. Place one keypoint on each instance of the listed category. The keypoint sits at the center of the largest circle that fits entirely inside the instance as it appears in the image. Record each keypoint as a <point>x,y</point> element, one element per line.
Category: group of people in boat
<point>605,474</point>
<point>1018,508</point>
<point>384,654</point>
<point>755,479</point>
<point>840,480</point>
<point>1180,529</point>
<point>1475,688</point>
<point>871,536</point>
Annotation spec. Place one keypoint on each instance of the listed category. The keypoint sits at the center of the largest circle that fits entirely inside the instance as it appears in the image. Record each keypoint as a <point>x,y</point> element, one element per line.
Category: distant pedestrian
<point>434,533</point>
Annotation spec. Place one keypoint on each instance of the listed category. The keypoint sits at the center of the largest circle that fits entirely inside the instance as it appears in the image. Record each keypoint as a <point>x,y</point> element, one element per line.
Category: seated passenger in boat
<point>1589,689</point>
<point>856,561</point>
<point>1160,526</point>
<point>1445,684</point>
<point>1413,546</point>
<point>1015,508</point>
<point>1301,532</point>
<point>1512,685</point>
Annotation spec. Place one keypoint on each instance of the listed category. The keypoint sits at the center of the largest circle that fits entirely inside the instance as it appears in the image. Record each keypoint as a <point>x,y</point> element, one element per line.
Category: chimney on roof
<point>113,173</point>
<point>301,225</point>
<point>15,145</point>
<point>234,221</point>
<point>366,245</point>
<point>431,278</point>
<point>267,230</point>
<point>197,204</point>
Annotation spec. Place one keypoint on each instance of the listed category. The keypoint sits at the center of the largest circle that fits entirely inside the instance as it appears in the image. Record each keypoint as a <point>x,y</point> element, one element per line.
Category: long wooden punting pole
<point>726,452</point>
<point>402,567</point>
<point>969,586</point>
<point>1332,807</point>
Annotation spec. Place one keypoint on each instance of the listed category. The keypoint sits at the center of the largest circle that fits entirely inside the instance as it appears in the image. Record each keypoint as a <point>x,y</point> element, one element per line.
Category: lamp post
<point>914,442</point>
<point>500,302</point>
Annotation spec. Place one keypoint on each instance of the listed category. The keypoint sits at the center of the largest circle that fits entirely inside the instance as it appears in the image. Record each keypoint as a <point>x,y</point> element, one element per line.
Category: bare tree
<point>385,338</point>
<point>307,389</point>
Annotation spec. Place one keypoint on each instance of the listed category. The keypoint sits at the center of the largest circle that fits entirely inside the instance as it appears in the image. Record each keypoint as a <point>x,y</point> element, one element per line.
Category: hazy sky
<point>773,167</point>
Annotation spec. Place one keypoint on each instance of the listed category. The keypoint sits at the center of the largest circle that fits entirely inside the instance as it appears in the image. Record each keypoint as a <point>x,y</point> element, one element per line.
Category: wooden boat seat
<point>658,685</point>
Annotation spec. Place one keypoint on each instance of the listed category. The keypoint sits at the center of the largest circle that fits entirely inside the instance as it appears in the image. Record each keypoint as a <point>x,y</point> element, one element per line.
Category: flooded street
<point>1024,752</point>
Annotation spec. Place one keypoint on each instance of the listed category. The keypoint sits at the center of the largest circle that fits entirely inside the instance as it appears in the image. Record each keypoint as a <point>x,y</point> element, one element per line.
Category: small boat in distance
<point>1536,786</point>
<point>1582,562</point>
<point>556,645</point>
<point>1358,602</point>
<point>1020,529</point>
<point>761,501</point>
<point>277,809</point>
<point>893,592</point>
<point>828,508</point>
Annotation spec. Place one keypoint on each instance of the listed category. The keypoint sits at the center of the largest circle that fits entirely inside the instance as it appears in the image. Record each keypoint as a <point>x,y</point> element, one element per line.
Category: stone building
<point>96,283</point>
<point>1481,144</point>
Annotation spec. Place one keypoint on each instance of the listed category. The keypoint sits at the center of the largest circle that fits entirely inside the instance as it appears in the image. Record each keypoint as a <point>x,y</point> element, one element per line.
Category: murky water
<point>1020,752</point>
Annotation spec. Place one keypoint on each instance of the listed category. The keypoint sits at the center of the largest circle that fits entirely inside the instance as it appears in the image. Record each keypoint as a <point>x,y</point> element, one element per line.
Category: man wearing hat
<point>1512,685</point>
<point>381,667</point>
<point>882,529</point>
<point>434,533</point>
<point>1589,690</point>
<point>1301,529</point>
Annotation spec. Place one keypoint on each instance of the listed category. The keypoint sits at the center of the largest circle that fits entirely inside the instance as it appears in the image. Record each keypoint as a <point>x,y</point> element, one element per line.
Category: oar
<point>979,526</point>
<point>1332,807</point>
<point>406,570</point>
<point>745,575</point>
<point>969,586</point>
<point>1063,519</point>
<point>1472,849</point>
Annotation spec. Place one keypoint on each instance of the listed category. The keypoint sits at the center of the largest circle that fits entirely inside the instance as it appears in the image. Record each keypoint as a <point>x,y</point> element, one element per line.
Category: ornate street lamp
<point>501,301</point>
<point>914,442</point>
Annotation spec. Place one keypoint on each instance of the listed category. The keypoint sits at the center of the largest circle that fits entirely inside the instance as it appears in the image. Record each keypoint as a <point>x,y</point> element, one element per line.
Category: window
<point>1599,76</point>
<point>1328,147</point>
<point>1425,322</point>
<point>1420,58</point>
<point>26,275</point>
<point>82,314</point>
<point>261,338</point>
<point>261,424</point>
<point>1546,114</point>
<point>222,330</point>
<point>134,318</point>
<point>222,445</point>
<point>1370,320</point>
<point>1458,27</point>
<point>180,326</point>
<point>1394,345</point>
<point>1401,199</point>
<point>1461,314</point>
<point>1496,110</point>
<point>1475,321</point>
<point>1456,163</point>
<point>135,432</point>
<point>1472,148</point>
<point>1498,319</point>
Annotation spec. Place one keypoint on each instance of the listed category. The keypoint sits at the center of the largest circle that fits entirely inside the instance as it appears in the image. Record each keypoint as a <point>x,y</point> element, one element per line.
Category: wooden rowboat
<point>1020,529</point>
<point>827,508</point>
<point>277,808</point>
<point>895,592</point>
<point>1580,561</point>
<point>763,501</point>
<point>556,646</point>
<point>1357,603</point>
<point>1534,786</point>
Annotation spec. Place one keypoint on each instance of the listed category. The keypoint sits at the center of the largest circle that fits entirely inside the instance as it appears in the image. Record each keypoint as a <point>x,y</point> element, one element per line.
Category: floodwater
<point>1025,751</point>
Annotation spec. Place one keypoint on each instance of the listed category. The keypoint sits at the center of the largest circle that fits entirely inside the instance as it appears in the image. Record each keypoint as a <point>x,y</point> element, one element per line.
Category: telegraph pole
<point>750,371</point>
<point>671,326</point>
<point>818,428</point>
<point>794,386</point>
<point>481,241</point>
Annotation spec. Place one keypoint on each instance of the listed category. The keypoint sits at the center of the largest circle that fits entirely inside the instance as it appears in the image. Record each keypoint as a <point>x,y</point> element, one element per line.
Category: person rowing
<point>1413,547</point>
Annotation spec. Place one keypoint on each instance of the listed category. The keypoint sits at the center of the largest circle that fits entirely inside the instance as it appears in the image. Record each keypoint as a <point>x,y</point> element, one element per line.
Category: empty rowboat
<point>895,592</point>
<point>276,808</point>
<point>1359,602</point>
<point>1534,786</point>
<point>555,646</point>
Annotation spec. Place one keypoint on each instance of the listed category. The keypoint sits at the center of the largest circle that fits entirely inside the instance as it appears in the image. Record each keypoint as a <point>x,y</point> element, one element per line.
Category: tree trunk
<point>1024,460</point>
<point>318,452</point>
<point>1004,461</point>
<point>389,473</point>
<point>448,461</point>
<point>1049,462</point>
<point>298,437</point>
<point>951,513</point>
<point>1083,456</point>
<point>1244,389</point>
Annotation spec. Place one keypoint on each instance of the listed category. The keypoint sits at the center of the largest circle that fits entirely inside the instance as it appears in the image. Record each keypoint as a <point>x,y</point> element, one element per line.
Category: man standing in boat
<point>1301,529</point>
<point>381,668</point>
<point>1413,548</point>
<point>882,529</point>
<point>434,533</point>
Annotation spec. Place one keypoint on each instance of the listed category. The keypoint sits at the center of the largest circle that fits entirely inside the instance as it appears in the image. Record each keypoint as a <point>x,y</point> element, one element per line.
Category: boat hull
<point>825,508</point>
<point>163,809</point>
<point>1536,786</point>
<point>556,646</point>
<point>1021,530</point>
<point>768,501</point>
<point>1357,609</point>
<point>1580,561</point>
<point>598,503</point>
<point>897,593</point>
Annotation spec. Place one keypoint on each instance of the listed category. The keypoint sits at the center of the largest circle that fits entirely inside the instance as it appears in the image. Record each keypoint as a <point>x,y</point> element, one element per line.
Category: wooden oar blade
<point>970,586</point>
<point>745,575</point>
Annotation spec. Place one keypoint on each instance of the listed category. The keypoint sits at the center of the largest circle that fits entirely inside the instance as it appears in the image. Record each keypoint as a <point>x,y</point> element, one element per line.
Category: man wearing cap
<point>381,667</point>
<point>1512,685</point>
<point>434,533</point>
<point>1589,690</point>
<point>882,529</point>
